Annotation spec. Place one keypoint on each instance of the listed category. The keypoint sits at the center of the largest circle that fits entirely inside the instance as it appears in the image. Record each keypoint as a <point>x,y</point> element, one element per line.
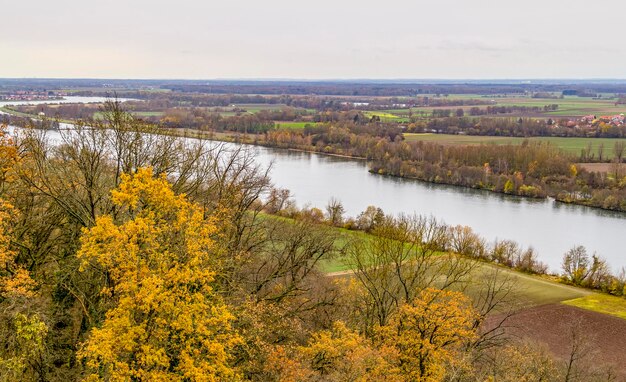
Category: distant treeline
<point>531,169</point>
<point>390,89</point>
<point>515,127</point>
<point>157,101</point>
<point>350,88</point>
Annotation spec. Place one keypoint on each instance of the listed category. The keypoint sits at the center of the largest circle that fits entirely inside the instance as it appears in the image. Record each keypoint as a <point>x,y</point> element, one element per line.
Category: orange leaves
<point>338,354</point>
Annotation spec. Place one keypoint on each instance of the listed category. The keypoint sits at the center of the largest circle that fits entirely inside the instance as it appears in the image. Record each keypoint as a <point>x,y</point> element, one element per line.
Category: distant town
<point>27,95</point>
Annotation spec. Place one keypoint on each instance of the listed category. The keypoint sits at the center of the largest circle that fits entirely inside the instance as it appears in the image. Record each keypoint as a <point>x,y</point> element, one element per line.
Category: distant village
<point>30,95</point>
<point>592,120</point>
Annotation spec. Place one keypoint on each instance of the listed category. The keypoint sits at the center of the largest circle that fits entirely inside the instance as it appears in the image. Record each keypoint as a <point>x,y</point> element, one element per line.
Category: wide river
<point>551,228</point>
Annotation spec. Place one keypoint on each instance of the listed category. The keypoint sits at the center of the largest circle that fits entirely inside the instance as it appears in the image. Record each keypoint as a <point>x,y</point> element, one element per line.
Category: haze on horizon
<point>194,39</point>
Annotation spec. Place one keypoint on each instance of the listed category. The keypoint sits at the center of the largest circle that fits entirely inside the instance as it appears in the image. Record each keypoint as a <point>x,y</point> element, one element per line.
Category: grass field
<point>140,114</point>
<point>147,113</point>
<point>570,106</point>
<point>114,89</point>
<point>531,290</point>
<point>293,125</point>
<point>13,112</point>
<point>571,145</point>
<point>601,303</point>
<point>387,115</point>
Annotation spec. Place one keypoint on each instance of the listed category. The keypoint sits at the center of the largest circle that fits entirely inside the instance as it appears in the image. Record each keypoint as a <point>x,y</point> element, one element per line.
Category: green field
<point>571,145</point>
<point>147,113</point>
<point>530,290</point>
<point>113,89</point>
<point>293,125</point>
<point>601,303</point>
<point>570,106</point>
<point>388,115</point>
<point>253,108</point>
<point>8,110</point>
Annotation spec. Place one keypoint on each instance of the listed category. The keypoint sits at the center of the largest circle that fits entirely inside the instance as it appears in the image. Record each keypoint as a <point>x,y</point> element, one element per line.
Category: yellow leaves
<point>167,323</point>
<point>9,156</point>
<point>343,354</point>
<point>144,187</point>
<point>428,332</point>
<point>14,280</point>
<point>28,346</point>
<point>338,354</point>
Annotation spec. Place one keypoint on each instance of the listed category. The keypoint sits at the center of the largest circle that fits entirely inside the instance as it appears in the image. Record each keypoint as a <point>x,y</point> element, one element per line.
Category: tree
<point>370,218</point>
<point>464,241</point>
<point>521,362</point>
<point>334,212</point>
<point>618,150</point>
<point>341,354</point>
<point>580,270</point>
<point>23,355</point>
<point>600,151</point>
<point>402,258</point>
<point>15,282</point>
<point>429,332</point>
<point>165,322</point>
<point>576,265</point>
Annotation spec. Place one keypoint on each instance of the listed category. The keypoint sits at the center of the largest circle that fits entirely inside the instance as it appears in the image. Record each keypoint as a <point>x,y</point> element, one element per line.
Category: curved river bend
<point>551,228</point>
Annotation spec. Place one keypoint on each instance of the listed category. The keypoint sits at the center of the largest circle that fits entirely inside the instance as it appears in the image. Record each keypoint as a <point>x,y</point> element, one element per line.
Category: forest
<point>129,255</point>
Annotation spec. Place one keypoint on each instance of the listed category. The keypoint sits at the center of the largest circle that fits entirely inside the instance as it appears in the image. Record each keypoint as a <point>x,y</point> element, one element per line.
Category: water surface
<point>551,228</point>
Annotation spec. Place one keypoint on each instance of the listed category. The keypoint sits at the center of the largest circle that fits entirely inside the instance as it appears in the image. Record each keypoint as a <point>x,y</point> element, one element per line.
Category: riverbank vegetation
<point>422,137</point>
<point>532,169</point>
<point>130,255</point>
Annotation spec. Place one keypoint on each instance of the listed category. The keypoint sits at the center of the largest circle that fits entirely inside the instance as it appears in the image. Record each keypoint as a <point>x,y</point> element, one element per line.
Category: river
<point>551,228</point>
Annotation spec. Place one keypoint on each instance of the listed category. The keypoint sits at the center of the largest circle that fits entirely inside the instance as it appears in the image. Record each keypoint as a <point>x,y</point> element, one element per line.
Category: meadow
<point>570,145</point>
<point>530,290</point>
<point>601,303</point>
<point>292,125</point>
<point>569,106</point>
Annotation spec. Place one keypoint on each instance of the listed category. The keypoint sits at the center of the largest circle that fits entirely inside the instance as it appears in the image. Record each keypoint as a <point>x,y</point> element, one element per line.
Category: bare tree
<point>618,150</point>
<point>403,257</point>
<point>335,211</point>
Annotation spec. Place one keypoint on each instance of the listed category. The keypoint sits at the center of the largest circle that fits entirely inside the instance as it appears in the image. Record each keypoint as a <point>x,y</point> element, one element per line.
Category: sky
<point>322,39</point>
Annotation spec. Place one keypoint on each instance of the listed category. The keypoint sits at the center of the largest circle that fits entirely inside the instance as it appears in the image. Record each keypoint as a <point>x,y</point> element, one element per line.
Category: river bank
<point>550,227</point>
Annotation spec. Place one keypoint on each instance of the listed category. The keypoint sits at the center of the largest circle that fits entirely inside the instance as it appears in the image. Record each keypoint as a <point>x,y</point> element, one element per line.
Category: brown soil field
<point>552,325</point>
<point>601,167</point>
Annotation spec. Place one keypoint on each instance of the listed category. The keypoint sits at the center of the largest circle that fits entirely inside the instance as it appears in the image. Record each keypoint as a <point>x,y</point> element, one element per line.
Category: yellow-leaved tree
<point>166,323</point>
<point>335,355</point>
<point>429,333</point>
<point>23,332</point>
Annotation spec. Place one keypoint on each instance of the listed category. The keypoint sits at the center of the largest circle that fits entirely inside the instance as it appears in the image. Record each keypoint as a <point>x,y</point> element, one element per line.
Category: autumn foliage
<point>166,323</point>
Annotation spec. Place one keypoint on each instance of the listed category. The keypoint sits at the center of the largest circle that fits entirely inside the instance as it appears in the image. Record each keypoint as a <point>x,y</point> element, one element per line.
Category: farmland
<point>601,303</point>
<point>293,125</point>
<point>570,106</point>
<point>570,145</point>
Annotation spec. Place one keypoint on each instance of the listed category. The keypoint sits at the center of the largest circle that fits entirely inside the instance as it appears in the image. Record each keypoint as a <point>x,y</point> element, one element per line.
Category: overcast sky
<point>207,39</point>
